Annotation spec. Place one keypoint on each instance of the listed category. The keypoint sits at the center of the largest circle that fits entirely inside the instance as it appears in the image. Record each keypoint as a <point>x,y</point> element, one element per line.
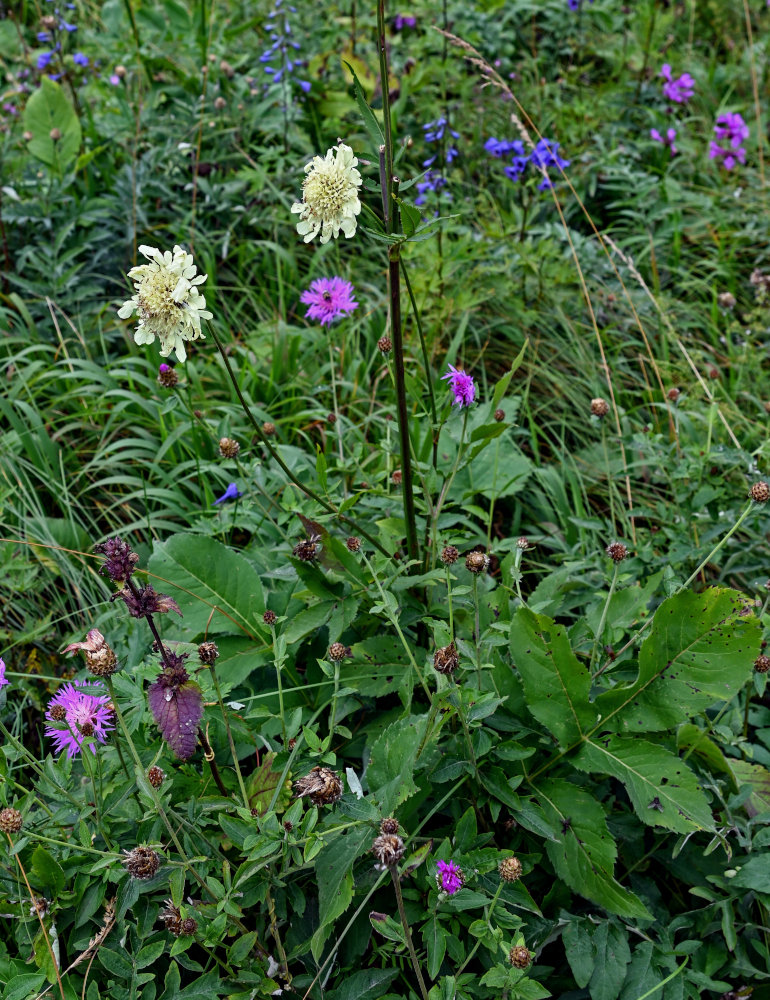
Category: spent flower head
<point>461,385</point>
<point>167,300</point>
<point>329,196</point>
<point>85,713</point>
<point>329,298</point>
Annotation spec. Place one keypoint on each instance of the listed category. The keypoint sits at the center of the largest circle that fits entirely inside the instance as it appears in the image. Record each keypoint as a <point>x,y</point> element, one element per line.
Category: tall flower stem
<point>407,933</point>
<point>426,363</point>
<point>477,628</point>
<point>445,488</point>
<point>279,652</point>
<point>230,739</point>
<point>277,458</point>
<point>391,218</point>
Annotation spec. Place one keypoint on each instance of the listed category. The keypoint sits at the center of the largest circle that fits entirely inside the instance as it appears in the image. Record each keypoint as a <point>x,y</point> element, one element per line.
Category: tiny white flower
<point>166,300</point>
<point>329,196</point>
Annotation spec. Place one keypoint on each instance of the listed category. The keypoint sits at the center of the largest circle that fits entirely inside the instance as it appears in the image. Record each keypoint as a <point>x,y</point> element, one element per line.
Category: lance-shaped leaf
<point>662,788</point>
<point>556,685</point>
<point>581,848</point>
<point>699,651</point>
<point>177,708</point>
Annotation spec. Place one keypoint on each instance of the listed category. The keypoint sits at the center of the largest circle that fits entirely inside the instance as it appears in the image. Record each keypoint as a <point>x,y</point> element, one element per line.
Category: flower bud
<point>11,820</point>
<point>600,407</point>
<point>142,863</point>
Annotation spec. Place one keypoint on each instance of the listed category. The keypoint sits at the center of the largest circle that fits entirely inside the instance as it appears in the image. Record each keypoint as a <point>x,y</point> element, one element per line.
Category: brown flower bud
<point>322,786</point>
<point>269,617</point>
<point>156,776</point>
<point>142,863</point>
<point>268,429</point>
<point>175,923</point>
<point>220,103</point>
<point>167,376</point>
<point>385,345</point>
<point>476,562</point>
<point>600,407</point>
<point>388,848</point>
<point>397,477</point>
<point>760,492</point>
<point>389,826</point>
<point>337,652</point>
<point>331,418</point>
<point>445,660</point>
<point>54,134</point>
<point>522,543</point>
<point>449,555</point>
<point>673,394</point>
<point>762,664</point>
<point>499,415</point>
<point>510,869</point>
<point>617,551</point>
<point>353,543</point>
<point>208,652</point>
<point>100,658</point>
<point>228,447</point>
<point>306,550</point>
<point>520,957</point>
<point>11,820</point>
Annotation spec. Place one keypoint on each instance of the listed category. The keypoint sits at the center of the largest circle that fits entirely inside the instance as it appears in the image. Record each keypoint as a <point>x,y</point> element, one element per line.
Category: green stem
<point>230,739</point>
<point>603,619</point>
<point>446,487</point>
<point>72,845</point>
<point>277,458</point>
<point>477,628</point>
<point>487,915</point>
<point>449,603</point>
<point>85,755</point>
<point>407,933</point>
<point>426,363</point>
<point>278,652</point>
<point>333,709</point>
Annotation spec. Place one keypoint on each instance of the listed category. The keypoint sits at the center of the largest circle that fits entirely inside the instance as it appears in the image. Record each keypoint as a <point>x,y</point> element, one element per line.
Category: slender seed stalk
<point>407,933</point>
<point>603,619</point>
<point>477,628</point>
<point>279,661</point>
<point>277,458</point>
<point>230,739</point>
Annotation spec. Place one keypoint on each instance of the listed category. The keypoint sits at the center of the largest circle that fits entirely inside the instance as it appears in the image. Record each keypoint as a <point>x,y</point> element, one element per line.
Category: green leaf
<point>697,741</point>
<point>662,788</point>
<point>499,785</point>
<point>581,848</point>
<point>368,119</point>
<point>410,216</point>
<point>502,383</point>
<point>392,762</point>
<point>23,986</point>
<point>579,951</point>
<point>201,574</point>
<point>116,963</point>
<point>48,109</point>
<point>149,954</point>
<point>759,778</point>
<point>753,874</point>
<point>435,937</point>
<point>333,869</point>
<point>612,957</point>
<point>699,651</point>
<point>320,468</point>
<point>367,985</point>
<point>556,685</point>
<point>48,870</point>
<point>387,927</point>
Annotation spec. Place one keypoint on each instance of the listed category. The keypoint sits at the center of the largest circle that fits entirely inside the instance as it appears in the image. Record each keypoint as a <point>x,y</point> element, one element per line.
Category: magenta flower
<point>328,299</point>
<point>680,90</point>
<point>2,673</point>
<point>731,128</point>
<point>449,877</point>
<point>461,385</point>
<point>668,140</point>
<point>727,157</point>
<point>75,716</point>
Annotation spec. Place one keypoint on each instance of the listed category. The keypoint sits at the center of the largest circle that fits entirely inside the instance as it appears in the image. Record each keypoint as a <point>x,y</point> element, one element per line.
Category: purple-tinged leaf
<point>177,708</point>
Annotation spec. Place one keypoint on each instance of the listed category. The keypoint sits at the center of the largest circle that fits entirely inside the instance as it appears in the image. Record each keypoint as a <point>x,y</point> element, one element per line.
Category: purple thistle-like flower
<point>667,140</point>
<point>85,715</point>
<point>2,673</point>
<point>680,90</point>
<point>449,877</point>
<point>461,385</point>
<point>329,298</point>
<point>231,493</point>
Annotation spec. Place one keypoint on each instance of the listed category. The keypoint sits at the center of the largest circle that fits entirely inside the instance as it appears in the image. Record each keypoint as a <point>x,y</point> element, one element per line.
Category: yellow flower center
<point>155,294</point>
<point>326,189</point>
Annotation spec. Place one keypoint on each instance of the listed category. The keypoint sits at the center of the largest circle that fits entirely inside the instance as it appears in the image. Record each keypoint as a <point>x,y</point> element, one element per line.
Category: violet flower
<point>731,130</point>
<point>680,90</point>
<point>667,140</point>
<point>80,715</point>
<point>461,385</point>
<point>329,298</point>
<point>231,493</point>
<point>449,877</point>
<point>2,673</point>
<point>401,21</point>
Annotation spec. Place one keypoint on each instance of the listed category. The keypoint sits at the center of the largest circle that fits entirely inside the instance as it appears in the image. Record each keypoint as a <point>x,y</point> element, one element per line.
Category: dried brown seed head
<point>11,820</point>
<point>269,617</point>
<point>445,660</point>
<point>522,543</point>
<point>208,652</point>
<point>760,492</point>
<point>510,869</point>
<point>673,394</point>
<point>520,957</point>
<point>100,658</point>
<point>228,447</point>
<point>762,664</point>
<point>397,477</point>
<point>499,415</point>
<point>353,543</point>
<point>385,345</point>
<point>617,551</point>
<point>306,550</point>
<point>388,848</point>
<point>156,776</point>
<point>389,826</point>
<point>337,652</point>
<point>322,786</point>
<point>142,863</point>
<point>268,429</point>
<point>476,562</point>
<point>449,555</point>
<point>600,407</point>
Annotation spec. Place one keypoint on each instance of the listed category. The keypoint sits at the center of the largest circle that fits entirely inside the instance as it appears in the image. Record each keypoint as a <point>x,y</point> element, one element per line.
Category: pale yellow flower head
<point>166,300</point>
<point>329,196</point>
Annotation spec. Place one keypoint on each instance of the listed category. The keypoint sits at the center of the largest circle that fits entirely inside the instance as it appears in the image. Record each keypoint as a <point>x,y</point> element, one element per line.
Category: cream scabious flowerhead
<point>329,196</point>
<point>167,300</point>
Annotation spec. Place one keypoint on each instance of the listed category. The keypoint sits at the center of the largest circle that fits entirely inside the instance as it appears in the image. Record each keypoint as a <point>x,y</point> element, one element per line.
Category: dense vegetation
<point>398,632</point>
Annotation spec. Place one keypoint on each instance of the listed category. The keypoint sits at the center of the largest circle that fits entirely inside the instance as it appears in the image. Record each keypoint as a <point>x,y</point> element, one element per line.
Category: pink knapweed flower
<point>667,140</point>
<point>328,299</point>
<point>84,715</point>
<point>2,673</point>
<point>449,877</point>
<point>680,90</point>
<point>461,385</point>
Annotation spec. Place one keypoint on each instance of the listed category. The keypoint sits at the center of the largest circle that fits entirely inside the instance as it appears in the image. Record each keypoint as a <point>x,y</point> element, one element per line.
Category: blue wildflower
<point>279,58</point>
<point>67,27</point>
<point>80,59</point>
<point>43,59</point>
<point>231,493</point>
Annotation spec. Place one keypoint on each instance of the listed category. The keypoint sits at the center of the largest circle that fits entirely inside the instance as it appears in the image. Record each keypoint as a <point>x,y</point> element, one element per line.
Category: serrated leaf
<point>48,870</point>
<point>434,936</point>
<point>369,984</point>
<point>759,778</point>
<point>662,788</point>
<point>612,956</point>
<point>333,868</point>
<point>556,684</point>
<point>202,574</point>
<point>582,849</point>
<point>699,651</point>
<point>177,710</point>
<point>579,950</point>
<point>392,762</point>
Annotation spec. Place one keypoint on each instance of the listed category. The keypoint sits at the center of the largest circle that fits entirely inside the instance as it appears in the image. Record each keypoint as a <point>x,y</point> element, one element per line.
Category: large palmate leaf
<point>556,685</point>
<point>662,788</point>
<point>699,651</point>
<point>581,848</point>
<point>217,589</point>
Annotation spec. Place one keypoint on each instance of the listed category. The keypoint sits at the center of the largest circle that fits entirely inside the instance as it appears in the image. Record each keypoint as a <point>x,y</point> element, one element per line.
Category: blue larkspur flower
<point>231,493</point>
